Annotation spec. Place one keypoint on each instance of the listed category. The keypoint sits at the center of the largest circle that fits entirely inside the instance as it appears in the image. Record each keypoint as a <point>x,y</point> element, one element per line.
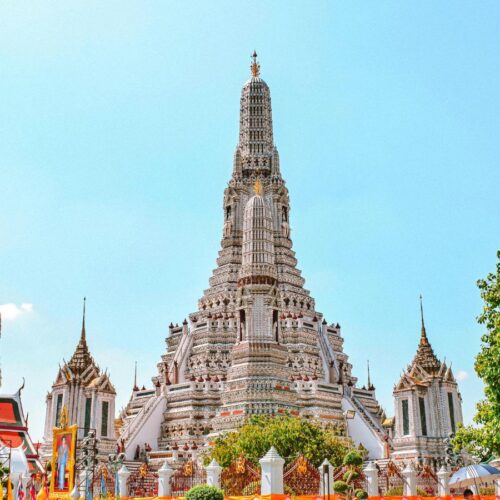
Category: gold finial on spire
<point>255,66</point>
<point>258,188</point>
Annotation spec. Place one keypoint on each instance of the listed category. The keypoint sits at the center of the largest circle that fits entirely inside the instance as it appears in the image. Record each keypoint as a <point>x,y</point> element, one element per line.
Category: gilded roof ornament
<point>255,66</point>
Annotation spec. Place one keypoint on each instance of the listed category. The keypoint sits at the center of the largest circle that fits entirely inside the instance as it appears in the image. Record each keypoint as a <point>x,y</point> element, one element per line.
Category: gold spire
<point>258,188</point>
<point>255,66</point>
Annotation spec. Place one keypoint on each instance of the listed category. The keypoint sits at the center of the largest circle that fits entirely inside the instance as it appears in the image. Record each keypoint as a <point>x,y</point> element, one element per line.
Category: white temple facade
<point>256,343</point>
<point>89,397</point>
<point>427,407</point>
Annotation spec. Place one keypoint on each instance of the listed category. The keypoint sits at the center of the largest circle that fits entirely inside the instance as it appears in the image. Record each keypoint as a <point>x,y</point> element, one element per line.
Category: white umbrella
<point>474,475</point>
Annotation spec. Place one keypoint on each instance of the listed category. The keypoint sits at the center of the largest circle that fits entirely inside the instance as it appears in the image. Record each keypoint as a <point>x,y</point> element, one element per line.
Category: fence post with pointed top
<point>443,477</point>
<point>213,473</point>
<point>326,478</point>
<point>371,474</point>
<point>410,480</point>
<point>123,475</point>
<point>272,473</point>
<point>165,473</point>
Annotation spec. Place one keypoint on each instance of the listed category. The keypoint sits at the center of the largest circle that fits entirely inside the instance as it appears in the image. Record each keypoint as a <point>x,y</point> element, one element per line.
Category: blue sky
<point>118,125</point>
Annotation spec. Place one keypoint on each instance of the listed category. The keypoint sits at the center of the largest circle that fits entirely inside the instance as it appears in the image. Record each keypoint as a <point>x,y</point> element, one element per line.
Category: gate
<point>391,480</point>
<point>143,482</point>
<point>241,478</point>
<point>189,475</point>
<point>427,481</point>
<point>300,477</point>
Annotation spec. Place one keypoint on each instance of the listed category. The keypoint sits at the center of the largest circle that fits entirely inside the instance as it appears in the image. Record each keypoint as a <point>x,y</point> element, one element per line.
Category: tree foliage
<point>346,487</point>
<point>484,441</point>
<point>291,436</point>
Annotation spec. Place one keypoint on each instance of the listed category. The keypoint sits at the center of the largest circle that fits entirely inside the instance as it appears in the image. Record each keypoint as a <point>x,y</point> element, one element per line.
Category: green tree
<point>346,487</point>
<point>291,436</point>
<point>484,440</point>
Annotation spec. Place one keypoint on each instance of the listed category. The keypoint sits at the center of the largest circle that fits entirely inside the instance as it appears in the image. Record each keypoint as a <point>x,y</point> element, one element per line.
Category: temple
<point>427,406</point>
<point>256,343</point>
<point>89,397</point>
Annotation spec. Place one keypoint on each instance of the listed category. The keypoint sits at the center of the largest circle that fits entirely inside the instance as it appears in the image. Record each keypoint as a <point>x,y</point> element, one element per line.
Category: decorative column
<point>371,474</point>
<point>272,473</point>
<point>123,475</point>
<point>326,478</point>
<point>410,480</point>
<point>213,473</point>
<point>164,475</point>
<point>497,488</point>
<point>443,478</point>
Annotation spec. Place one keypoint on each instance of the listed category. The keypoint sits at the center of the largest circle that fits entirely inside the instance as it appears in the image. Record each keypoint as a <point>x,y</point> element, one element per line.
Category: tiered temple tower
<point>88,395</point>
<point>256,344</point>
<point>427,406</point>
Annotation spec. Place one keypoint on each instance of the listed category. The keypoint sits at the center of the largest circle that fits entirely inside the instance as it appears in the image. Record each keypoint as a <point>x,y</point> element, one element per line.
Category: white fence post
<point>123,475</point>
<point>326,478</point>
<point>371,474</point>
<point>164,474</point>
<point>410,480</point>
<point>272,473</point>
<point>213,473</point>
<point>443,477</point>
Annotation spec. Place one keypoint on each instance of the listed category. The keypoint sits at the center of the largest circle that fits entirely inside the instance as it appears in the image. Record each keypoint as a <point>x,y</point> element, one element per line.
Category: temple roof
<point>14,429</point>
<point>425,365</point>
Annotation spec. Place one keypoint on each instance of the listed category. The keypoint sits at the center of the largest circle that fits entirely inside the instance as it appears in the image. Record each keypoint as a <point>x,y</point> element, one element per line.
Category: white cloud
<point>12,311</point>
<point>462,375</point>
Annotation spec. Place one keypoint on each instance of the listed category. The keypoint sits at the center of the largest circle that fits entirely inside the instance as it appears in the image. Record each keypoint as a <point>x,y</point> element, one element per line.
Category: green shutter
<point>451,408</point>
<point>58,409</point>
<point>88,410</point>
<point>423,421</point>
<point>104,418</point>
<point>406,417</point>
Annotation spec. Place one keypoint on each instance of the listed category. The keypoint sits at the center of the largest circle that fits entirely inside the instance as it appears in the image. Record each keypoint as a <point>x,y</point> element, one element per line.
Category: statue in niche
<point>228,224</point>
<point>285,227</point>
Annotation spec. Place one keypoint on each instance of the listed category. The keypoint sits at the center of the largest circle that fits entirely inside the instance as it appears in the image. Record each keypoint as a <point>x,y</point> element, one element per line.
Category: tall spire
<point>136,388</point>
<point>83,335</point>
<point>423,333</point>
<point>368,367</point>
<point>425,356</point>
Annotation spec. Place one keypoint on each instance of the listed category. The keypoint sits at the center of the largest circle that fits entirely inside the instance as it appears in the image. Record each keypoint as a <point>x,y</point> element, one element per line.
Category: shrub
<point>204,492</point>
<point>340,486</point>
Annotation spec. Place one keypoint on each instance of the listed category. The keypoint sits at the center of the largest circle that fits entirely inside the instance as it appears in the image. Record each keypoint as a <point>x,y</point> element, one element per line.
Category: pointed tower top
<point>135,378</point>
<point>83,335</point>
<point>369,379</point>
<point>423,333</point>
<point>255,66</point>
<point>81,358</point>
<point>425,356</point>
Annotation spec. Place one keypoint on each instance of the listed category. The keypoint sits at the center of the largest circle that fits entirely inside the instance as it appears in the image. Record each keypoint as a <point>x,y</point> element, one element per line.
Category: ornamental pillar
<point>443,477</point>
<point>164,475</point>
<point>410,480</point>
<point>213,473</point>
<point>123,475</point>
<point>272,473</point>
<point>326,478</point>
<point>371,474</point>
